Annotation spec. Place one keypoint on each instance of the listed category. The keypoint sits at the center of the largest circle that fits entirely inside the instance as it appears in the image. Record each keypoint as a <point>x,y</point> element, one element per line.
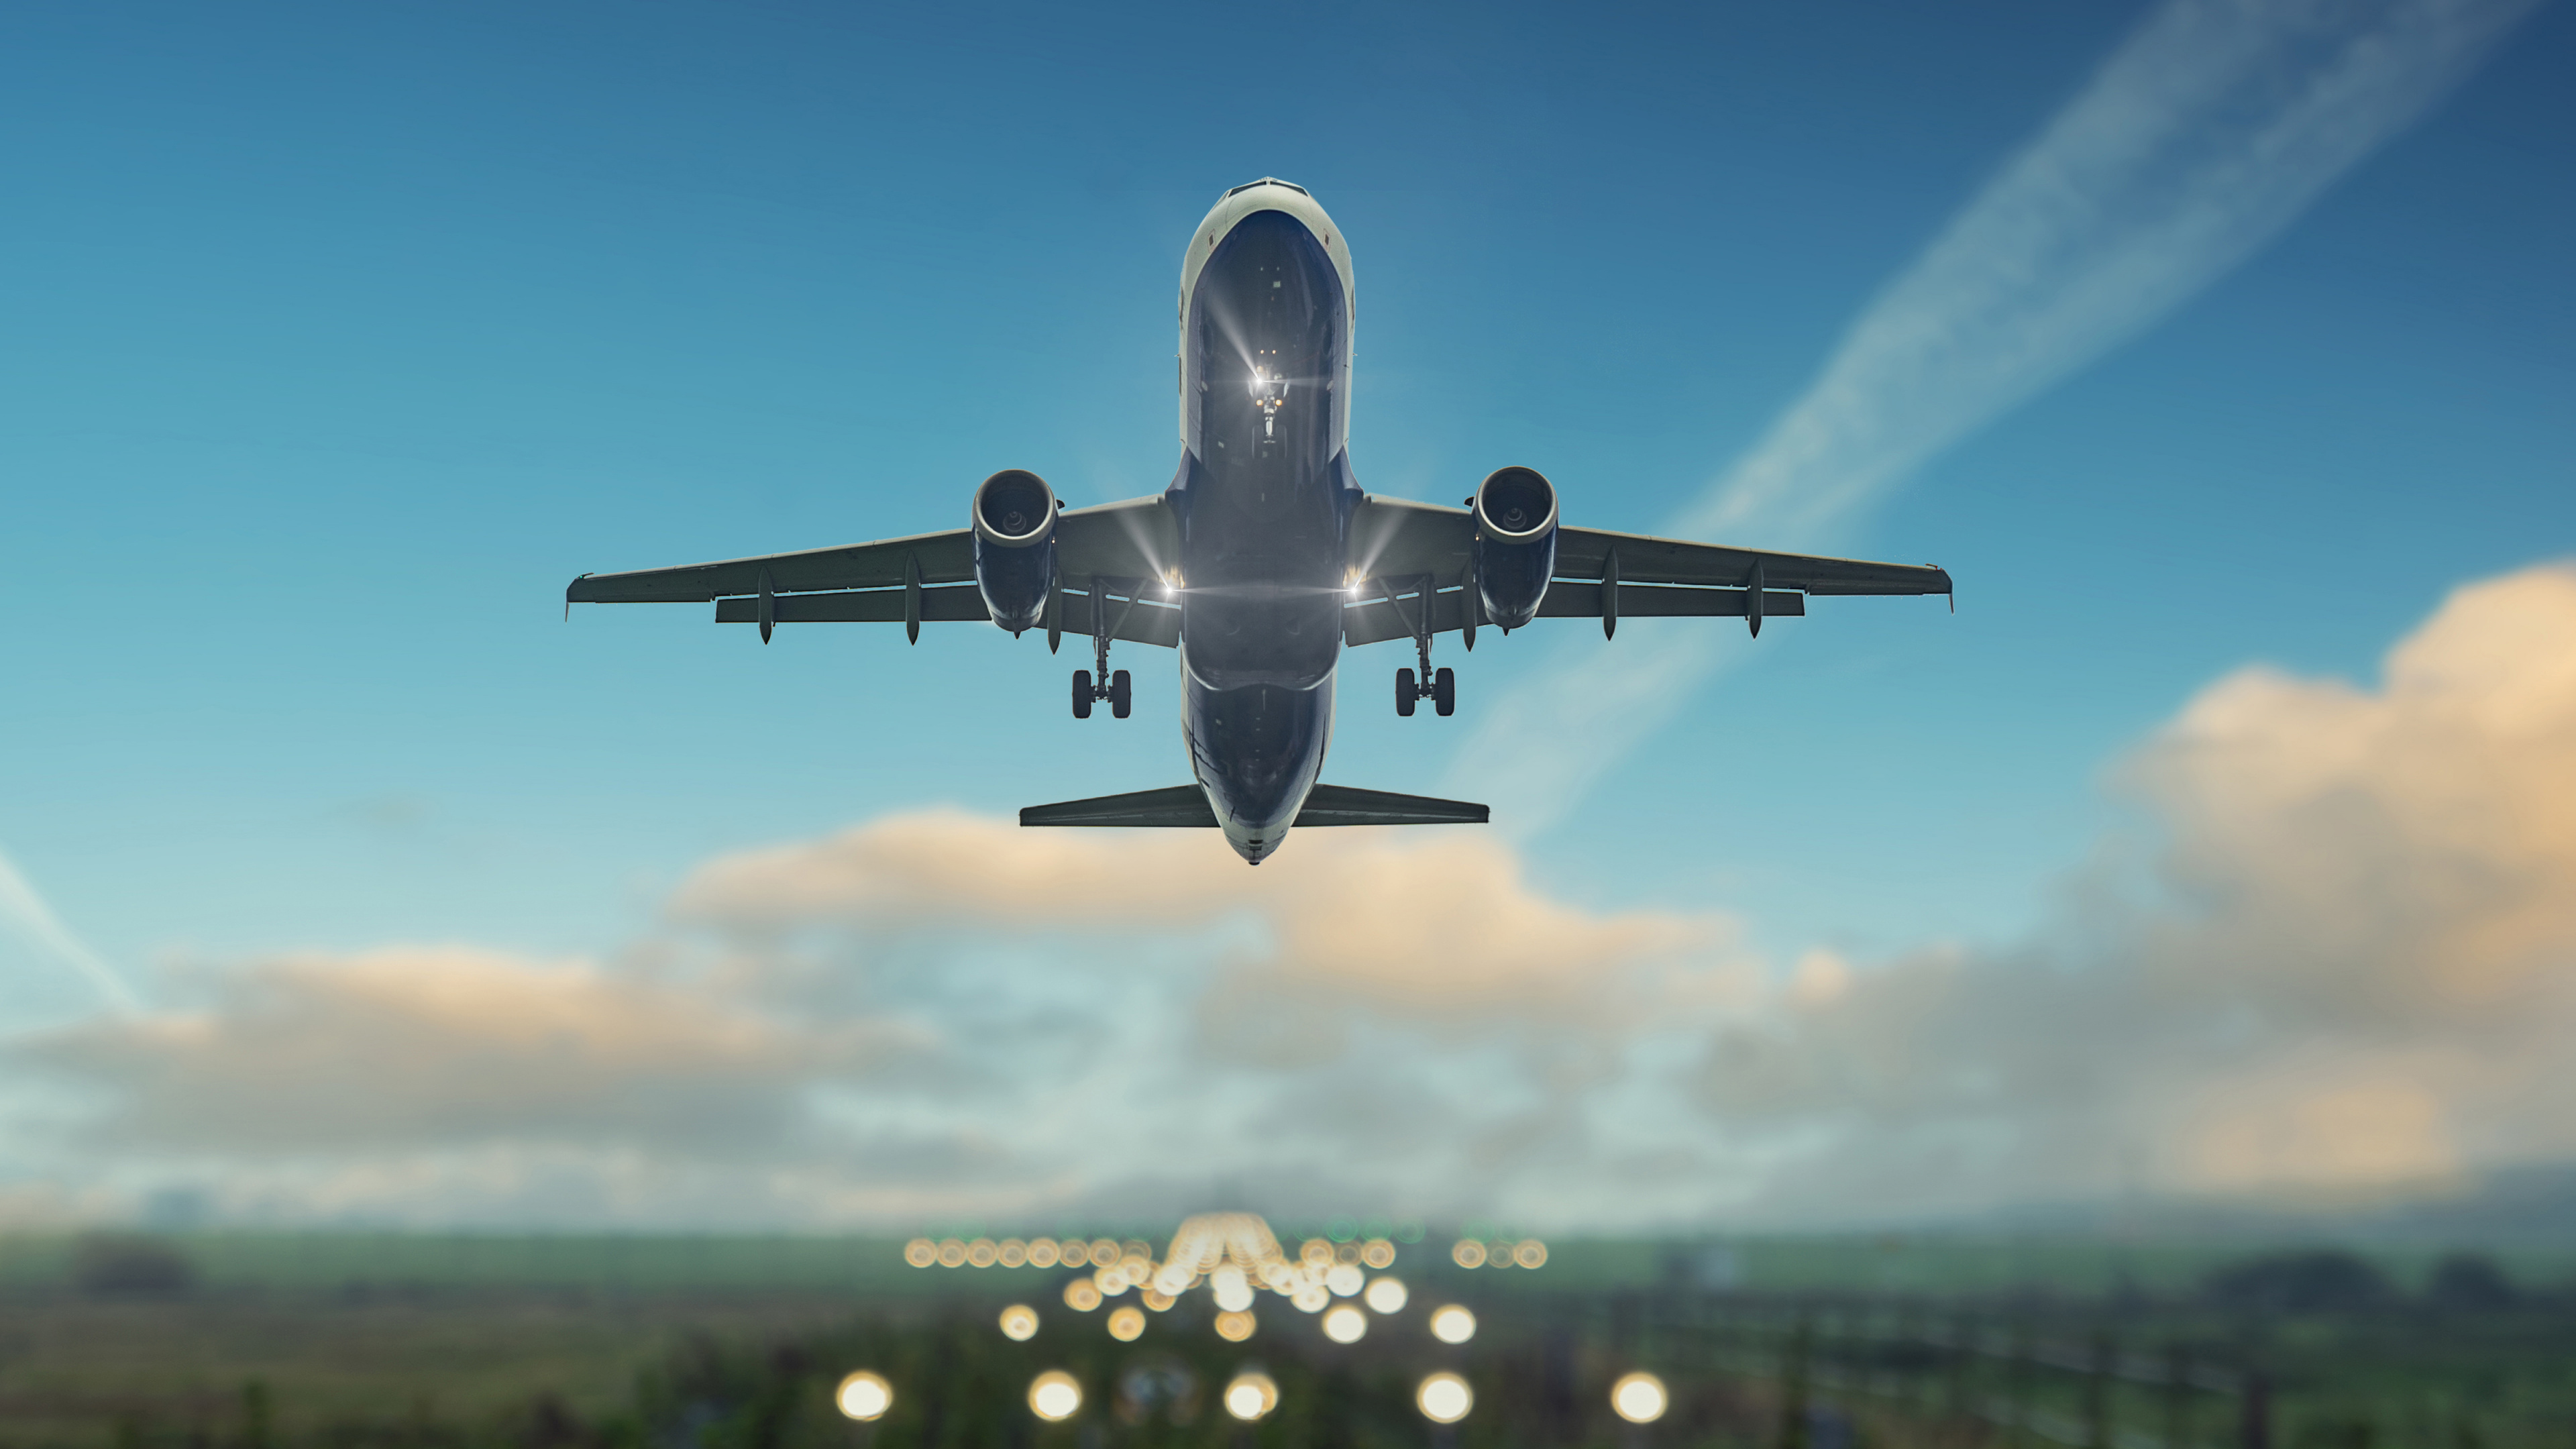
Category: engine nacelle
<point>1015,515</point>
<point>1515,544</point>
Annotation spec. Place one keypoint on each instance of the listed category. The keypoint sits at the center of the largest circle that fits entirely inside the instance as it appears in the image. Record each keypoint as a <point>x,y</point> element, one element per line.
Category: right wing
<point>1402,546</point>
<point>1103,552</point>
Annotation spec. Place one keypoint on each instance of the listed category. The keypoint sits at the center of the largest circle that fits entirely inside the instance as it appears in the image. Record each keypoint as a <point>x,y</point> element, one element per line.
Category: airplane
<point>1263,559</point>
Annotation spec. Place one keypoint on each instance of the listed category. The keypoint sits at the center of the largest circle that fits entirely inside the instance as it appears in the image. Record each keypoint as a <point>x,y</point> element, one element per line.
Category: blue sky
<point>337,341</point>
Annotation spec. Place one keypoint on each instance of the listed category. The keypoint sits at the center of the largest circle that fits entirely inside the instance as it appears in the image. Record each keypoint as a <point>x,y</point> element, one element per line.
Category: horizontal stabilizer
<point>1342,805</point>
<point>1187,806</point>
<point>1181,805</point>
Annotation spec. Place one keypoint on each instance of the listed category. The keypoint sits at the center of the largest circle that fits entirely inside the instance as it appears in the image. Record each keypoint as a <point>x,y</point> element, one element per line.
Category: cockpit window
<point>1268,181</point>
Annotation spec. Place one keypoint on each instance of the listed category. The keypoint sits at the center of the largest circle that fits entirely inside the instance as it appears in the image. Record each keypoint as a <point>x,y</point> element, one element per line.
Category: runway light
<point>981,1253</point>
<point>864,1396</point>
<point>1345,1324</point>
<point>1386,1295</point>
<point>1530,1253</point>
<point>1452,1324</point>
<point>1042,1253</point>
<point>1127,1324</point>
<point>1444,1398</point>
<point>1251,1395</point>
<point>1019,1323</point>
<point>1639,1398</point>
<point>952,1253</point>
<point>1468,1253</point>
<point>1235,1327</point>
<point>1012,1253</point>
<point>1378,1253</point>
<point>921,1252</point>
<point>1054,1395</point>
<point>1081,1295</point>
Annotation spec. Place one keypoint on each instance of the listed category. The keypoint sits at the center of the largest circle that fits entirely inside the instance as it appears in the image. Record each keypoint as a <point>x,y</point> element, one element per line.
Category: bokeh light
<point>1444,1398</point>
<point>1111,1280</point>
<point>1158,1300</point>
<point>1386,1295</point>
<point>1042,1253</point>
<point>1312,1298</point>
<point>1315,1251</point>
<point>1073,1252</point>
<point>1468,1253</point>
<point>1451,1323</point>
<point>1011,1253</point>
<point>1378,1253</point>
<point>1081,1295</point>
<point>1054,1395</point>
<point>981,1253</point>
<point>1127,1324</point>
<point>1530,1253</point>
<point>1235,1327</point>
<point>1639,1398</point>
<point>1251,1395</point>
<point>921,1252</point>
<point>952,1253</point>
<point>1019,1323</point>
<point>864,1396</point>
<point>1345,1324</point>
<point>1344,1279</point>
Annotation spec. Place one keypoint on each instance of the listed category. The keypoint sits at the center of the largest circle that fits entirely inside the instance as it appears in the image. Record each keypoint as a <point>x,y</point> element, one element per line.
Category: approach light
<point>1444,1398</point>
<point>1251,1395</point>
<point>1452,1324</point>
<point>1345,1324</point>
<point>1639,1398</point>
<point>1386,1295</point>
<point>864,1396</point>
<point>1054,1395</point>
<point>1019,1323</point>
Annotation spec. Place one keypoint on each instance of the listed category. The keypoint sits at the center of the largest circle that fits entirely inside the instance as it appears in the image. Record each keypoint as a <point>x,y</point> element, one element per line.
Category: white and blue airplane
<point>1263,559</point>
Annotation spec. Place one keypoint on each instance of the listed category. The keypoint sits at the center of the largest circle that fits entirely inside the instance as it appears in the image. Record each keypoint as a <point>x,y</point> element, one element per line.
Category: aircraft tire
<point>1404,695</point>
<point>1120,696</point>
<point>1082,694</point>
<point>1444,691</point>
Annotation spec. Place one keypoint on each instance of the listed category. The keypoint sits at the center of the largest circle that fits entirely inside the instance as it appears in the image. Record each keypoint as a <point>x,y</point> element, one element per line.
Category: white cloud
<point>2211,129</point>
<point>2352,968</point>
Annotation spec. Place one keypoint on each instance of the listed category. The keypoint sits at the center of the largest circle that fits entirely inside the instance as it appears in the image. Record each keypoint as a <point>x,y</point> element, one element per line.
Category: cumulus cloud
<point>2348,966</point>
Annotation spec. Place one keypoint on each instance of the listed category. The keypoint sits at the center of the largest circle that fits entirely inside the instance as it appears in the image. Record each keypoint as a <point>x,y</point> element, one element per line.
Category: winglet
<point>568,589</point>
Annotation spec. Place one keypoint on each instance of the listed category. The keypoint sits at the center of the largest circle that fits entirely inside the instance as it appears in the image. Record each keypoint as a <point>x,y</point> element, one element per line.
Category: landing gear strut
<point>1113,686</point>
<point>1439,686</point>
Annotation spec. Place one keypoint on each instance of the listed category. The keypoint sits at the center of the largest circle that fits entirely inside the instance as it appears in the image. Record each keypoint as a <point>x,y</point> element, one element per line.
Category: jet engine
<point>1015,515</point>
<point>1515,544</point>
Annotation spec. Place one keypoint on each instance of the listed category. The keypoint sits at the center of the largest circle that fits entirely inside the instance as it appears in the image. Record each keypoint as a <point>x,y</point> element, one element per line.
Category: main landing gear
<point>1116,691</point>
<point>1114,687</point>
<point>1439,686</point>
<point>1441,689</point>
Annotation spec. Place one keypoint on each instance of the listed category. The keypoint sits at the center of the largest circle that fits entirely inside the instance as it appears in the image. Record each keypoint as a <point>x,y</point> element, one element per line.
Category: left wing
<point>1413,557</point>
<point>1101,552</point>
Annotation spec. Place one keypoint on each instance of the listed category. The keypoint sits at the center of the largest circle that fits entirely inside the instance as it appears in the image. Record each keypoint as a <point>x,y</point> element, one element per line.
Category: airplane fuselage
<point>1263,498</point>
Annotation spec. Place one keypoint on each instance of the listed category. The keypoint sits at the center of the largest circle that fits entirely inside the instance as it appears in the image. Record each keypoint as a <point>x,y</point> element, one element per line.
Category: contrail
<point>2205,135</point>
<point>25,911</point>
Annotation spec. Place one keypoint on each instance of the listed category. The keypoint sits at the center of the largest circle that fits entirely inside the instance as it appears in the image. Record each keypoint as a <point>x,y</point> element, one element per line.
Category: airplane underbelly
<point>1257,751</point>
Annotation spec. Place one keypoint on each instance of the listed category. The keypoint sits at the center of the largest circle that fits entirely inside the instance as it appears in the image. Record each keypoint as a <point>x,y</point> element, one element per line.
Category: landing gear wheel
<point>1405,694</point>
<point>1444,691</point>
<point>1119,695</point>
<point>1082,694</point>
